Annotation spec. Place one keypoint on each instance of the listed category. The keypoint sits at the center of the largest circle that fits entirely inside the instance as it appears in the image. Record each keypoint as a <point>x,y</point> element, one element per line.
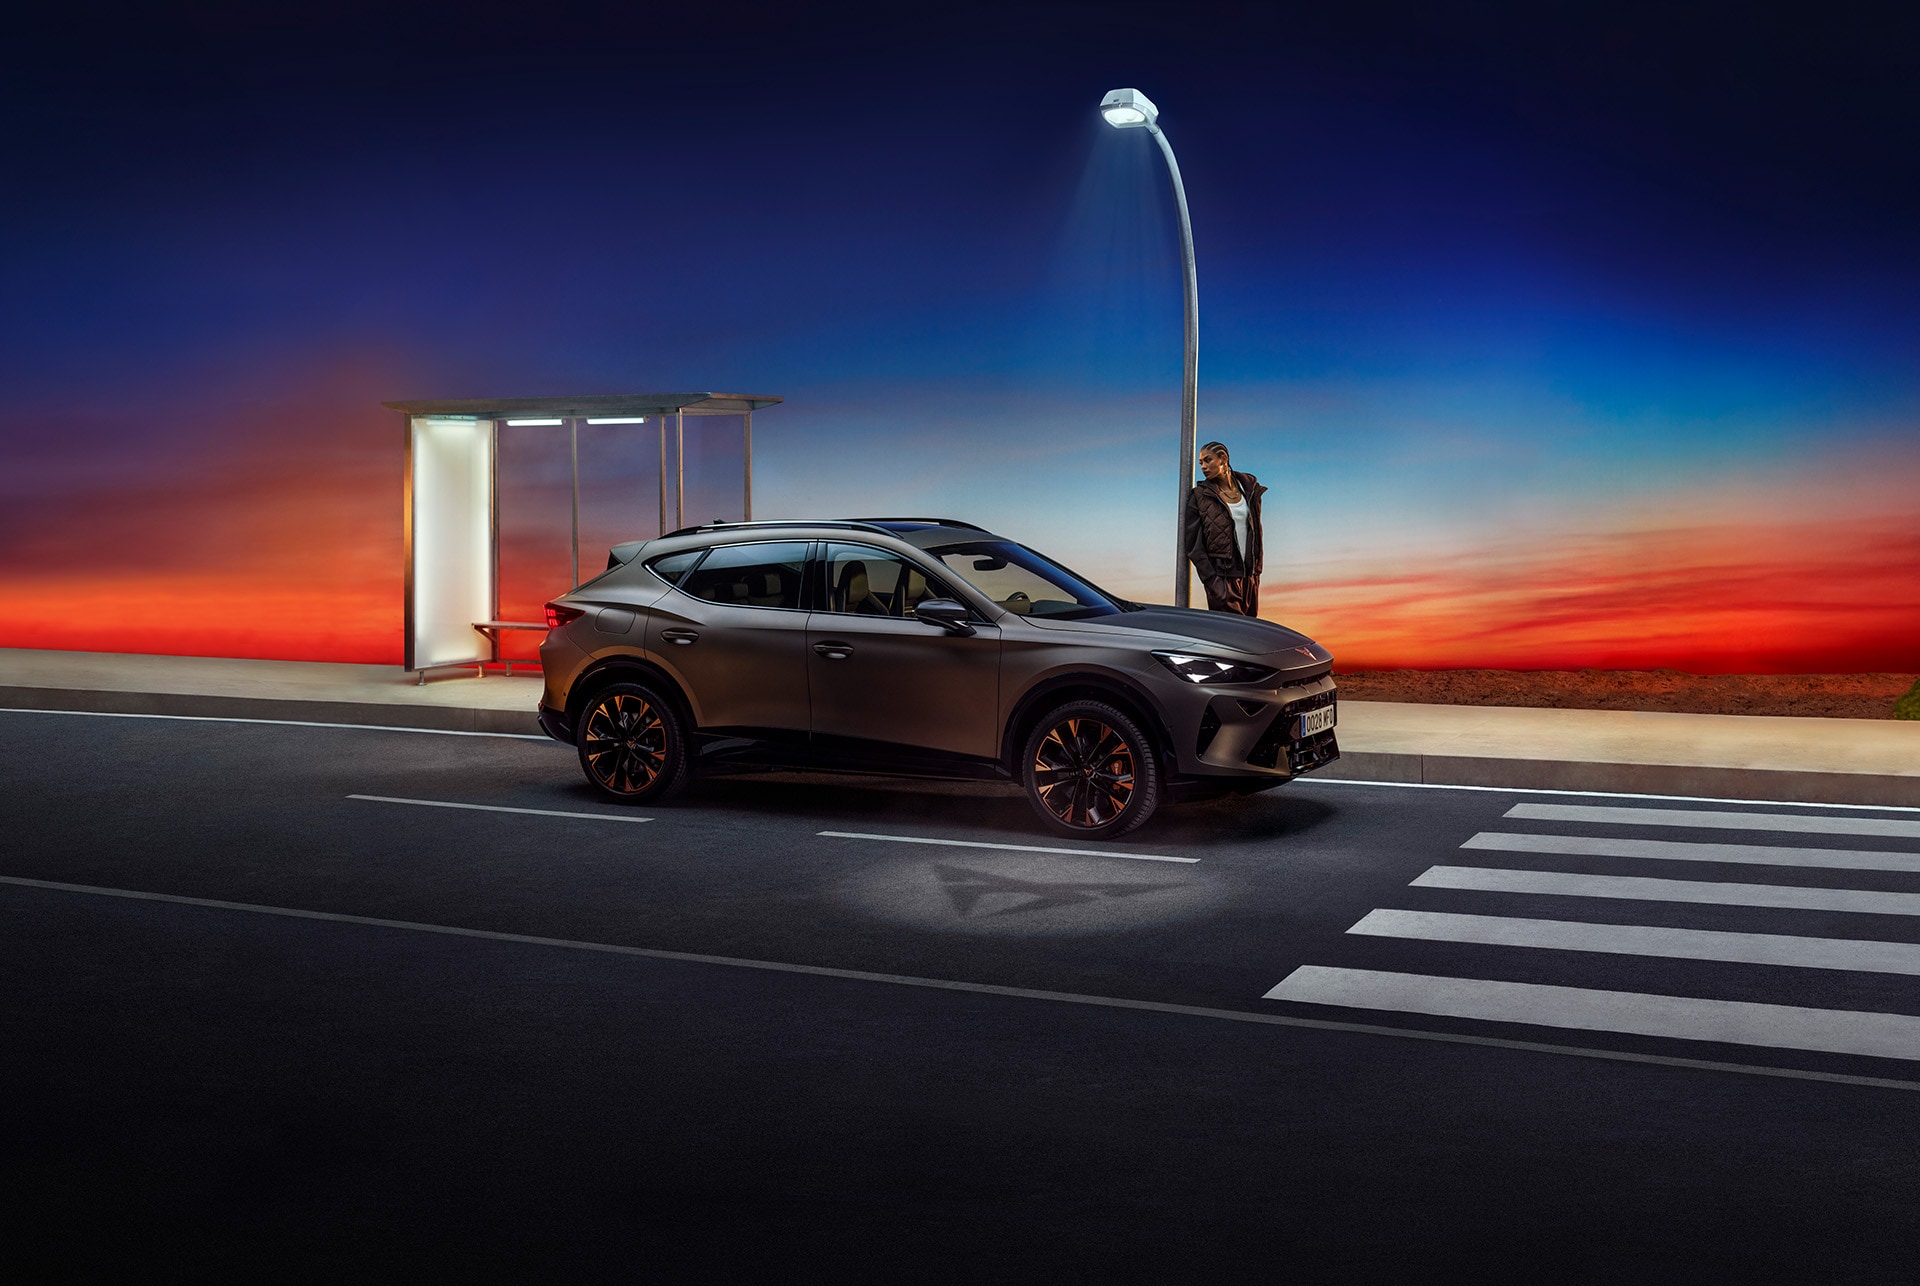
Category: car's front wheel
<point>1090,772</point>
<point>632,745</point>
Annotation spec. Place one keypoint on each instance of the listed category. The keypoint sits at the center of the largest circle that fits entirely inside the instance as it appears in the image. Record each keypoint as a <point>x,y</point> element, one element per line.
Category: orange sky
<point>1837,595</point>
<point>259,554</point>
<point>1833,596</point>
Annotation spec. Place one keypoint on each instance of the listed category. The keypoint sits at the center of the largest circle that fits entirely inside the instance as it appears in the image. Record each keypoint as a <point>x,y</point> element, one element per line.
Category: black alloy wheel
<point>631,744</point>
<point>1090,772</point>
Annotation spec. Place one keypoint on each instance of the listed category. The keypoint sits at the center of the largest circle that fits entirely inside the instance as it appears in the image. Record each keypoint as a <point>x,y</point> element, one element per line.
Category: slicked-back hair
<point>1218,448</point>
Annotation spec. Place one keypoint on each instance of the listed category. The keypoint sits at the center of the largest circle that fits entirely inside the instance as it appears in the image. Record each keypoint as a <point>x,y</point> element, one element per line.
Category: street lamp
<point>1131,109</point>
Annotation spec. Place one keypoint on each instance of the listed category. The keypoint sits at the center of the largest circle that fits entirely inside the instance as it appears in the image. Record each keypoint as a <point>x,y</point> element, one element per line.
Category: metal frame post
<point>573,431</point>
<point>746,511</point>
<point>1189,379</point>
<point>679,469</point>
<point>493,538</point>
<point>663,475</point>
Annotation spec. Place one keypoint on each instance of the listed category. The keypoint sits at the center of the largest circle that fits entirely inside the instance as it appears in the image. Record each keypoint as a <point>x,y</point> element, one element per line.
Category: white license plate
<point>1316,721</point>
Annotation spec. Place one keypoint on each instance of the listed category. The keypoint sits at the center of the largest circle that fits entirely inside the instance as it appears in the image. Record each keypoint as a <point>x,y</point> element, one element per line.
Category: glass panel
<point>716,450</point>
<point>1023,582</point>
<point>673,566</point>
<point>759,575</point>
<point>619,485</point>
<point>535,488</point>
<point>865,581</point>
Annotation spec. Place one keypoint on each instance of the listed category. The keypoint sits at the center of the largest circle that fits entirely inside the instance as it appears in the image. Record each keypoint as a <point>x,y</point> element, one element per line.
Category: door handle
<point>682,637</point>
<point>834,651</point>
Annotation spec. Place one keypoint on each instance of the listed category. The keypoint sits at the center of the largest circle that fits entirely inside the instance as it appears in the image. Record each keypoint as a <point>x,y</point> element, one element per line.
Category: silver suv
<point>922,647</point>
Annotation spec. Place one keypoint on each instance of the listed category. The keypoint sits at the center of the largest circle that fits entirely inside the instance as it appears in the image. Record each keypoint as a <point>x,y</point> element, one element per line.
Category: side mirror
<point>944,612</point>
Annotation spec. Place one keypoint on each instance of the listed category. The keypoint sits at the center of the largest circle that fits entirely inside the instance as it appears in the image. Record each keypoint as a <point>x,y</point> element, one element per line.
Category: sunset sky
<point>1563,337</point>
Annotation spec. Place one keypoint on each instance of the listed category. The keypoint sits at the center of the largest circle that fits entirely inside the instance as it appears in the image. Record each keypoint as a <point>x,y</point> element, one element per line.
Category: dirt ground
<point>1830,696</point>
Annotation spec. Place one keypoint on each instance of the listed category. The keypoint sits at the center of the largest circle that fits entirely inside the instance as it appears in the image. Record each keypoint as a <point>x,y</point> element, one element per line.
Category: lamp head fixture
<point>1128,109</point>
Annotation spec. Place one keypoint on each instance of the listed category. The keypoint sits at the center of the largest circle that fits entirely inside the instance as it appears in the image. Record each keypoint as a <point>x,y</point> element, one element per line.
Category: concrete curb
<point>1629,779</point>
<point>379,714</point>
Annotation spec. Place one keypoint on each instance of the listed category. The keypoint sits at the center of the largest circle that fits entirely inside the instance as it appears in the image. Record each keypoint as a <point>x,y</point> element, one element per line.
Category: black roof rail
<point>775,523</point>
<point>937,522</point>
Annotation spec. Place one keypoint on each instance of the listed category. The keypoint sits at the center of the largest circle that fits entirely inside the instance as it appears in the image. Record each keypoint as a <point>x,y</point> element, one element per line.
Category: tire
<point>1090,772</point>
<point>633,745</point>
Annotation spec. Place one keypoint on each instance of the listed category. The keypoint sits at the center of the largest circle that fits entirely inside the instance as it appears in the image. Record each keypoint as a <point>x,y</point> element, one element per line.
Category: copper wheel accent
<point>624,741</point>
<point>1083,771</point>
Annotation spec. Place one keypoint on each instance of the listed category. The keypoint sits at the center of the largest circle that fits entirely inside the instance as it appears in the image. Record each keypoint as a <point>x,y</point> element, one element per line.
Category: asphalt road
<point>356,1037</point>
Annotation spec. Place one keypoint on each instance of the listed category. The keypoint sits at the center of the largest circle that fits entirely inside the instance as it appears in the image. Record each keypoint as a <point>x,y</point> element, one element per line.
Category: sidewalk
<point>1830,761</point>
<point>1848,761</point>
<point>316,691</point>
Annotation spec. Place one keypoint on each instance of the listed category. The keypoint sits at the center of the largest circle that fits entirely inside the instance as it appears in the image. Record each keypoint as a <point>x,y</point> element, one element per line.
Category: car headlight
<point>1211,669</point>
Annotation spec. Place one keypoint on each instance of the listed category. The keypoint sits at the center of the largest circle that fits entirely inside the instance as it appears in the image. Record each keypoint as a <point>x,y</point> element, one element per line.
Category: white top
<point>1239,511</point>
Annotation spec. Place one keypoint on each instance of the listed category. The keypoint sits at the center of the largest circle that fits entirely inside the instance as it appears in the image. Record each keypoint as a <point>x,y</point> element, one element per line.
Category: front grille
<point>1279,734</point>
<point>1316,751</point>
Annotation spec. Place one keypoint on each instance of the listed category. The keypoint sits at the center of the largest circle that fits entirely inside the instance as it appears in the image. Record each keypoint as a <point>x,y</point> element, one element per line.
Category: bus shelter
<point>451,502</point>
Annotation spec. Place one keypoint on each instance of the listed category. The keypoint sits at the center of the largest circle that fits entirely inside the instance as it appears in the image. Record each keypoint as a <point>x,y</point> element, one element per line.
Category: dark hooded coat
<point>1210,544</point>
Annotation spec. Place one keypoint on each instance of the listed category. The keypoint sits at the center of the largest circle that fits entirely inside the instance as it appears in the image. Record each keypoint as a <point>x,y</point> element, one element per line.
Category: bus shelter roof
<point>597,405</point>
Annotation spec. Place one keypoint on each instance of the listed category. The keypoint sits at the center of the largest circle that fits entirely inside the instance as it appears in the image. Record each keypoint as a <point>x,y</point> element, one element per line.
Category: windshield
<point>1023,582</point>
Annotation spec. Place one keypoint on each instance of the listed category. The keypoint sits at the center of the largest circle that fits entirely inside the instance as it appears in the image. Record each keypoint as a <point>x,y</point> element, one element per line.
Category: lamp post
<point>1131,109</point>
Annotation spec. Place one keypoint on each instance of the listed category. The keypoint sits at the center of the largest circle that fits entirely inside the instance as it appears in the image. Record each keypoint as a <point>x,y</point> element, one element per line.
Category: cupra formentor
<point>924,647</point>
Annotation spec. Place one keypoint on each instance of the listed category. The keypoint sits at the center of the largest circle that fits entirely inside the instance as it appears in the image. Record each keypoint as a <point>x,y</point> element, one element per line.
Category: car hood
<point>1212,629</point>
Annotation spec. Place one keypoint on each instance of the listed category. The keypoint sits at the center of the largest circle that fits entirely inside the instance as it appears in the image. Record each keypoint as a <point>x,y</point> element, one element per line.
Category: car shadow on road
<point>992,810</point>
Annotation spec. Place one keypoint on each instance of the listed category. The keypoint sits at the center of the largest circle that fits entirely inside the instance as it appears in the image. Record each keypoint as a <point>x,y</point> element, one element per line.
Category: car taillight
<point>559,614</point>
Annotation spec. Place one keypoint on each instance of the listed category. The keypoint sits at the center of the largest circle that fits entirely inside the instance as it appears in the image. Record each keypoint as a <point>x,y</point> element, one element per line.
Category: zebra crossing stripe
<point>1562,884</point>
<point>1851,954</point>
<point>1662,850</point>
<point>1826,1031</point>
<point>1797,823</point>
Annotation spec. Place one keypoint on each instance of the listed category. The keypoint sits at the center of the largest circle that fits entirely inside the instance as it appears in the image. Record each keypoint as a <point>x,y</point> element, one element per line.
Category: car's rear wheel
<point>1090,772</point>
<point>632,745</point>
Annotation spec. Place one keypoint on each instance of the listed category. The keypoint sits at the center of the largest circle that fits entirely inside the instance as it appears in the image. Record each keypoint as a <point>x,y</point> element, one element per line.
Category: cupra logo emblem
<point>1307,652</point>
<point>1031,894</point>
<point>982,893</point>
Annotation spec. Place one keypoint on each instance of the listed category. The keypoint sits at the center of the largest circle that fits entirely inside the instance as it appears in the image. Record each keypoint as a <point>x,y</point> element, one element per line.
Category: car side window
<point>865,581</point>
<point>759,575</point>
<point>671,567</point>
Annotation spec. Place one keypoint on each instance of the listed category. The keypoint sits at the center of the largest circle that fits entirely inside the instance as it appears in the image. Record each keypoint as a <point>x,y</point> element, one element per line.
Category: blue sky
<point>1467,276</point>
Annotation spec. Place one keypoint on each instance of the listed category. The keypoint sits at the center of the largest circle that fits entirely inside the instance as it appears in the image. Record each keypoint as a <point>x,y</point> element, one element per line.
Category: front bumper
<point>1251,732</point>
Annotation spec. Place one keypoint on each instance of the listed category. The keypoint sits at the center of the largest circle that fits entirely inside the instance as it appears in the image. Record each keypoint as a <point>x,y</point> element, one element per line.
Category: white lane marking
<point>980,988</point>
<point>498,808</point>
<point>1482,879</point>
<point>1018,848</point>
<point>1851,954</point>
<point>1826,1031</point>
<point>1663,850</point>
<point>1599,794</point>
<point>1706,818</point>
<point>286,723</point>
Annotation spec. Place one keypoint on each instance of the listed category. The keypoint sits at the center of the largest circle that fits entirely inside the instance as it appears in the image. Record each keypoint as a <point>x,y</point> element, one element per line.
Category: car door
<point>877,674</point>
<point>734,633</point>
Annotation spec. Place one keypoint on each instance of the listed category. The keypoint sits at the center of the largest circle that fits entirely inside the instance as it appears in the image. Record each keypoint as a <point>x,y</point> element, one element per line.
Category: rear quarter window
<point>671,568</point>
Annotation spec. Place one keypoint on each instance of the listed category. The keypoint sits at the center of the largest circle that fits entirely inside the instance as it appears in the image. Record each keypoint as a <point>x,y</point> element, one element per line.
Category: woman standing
<point>1223,533</point>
